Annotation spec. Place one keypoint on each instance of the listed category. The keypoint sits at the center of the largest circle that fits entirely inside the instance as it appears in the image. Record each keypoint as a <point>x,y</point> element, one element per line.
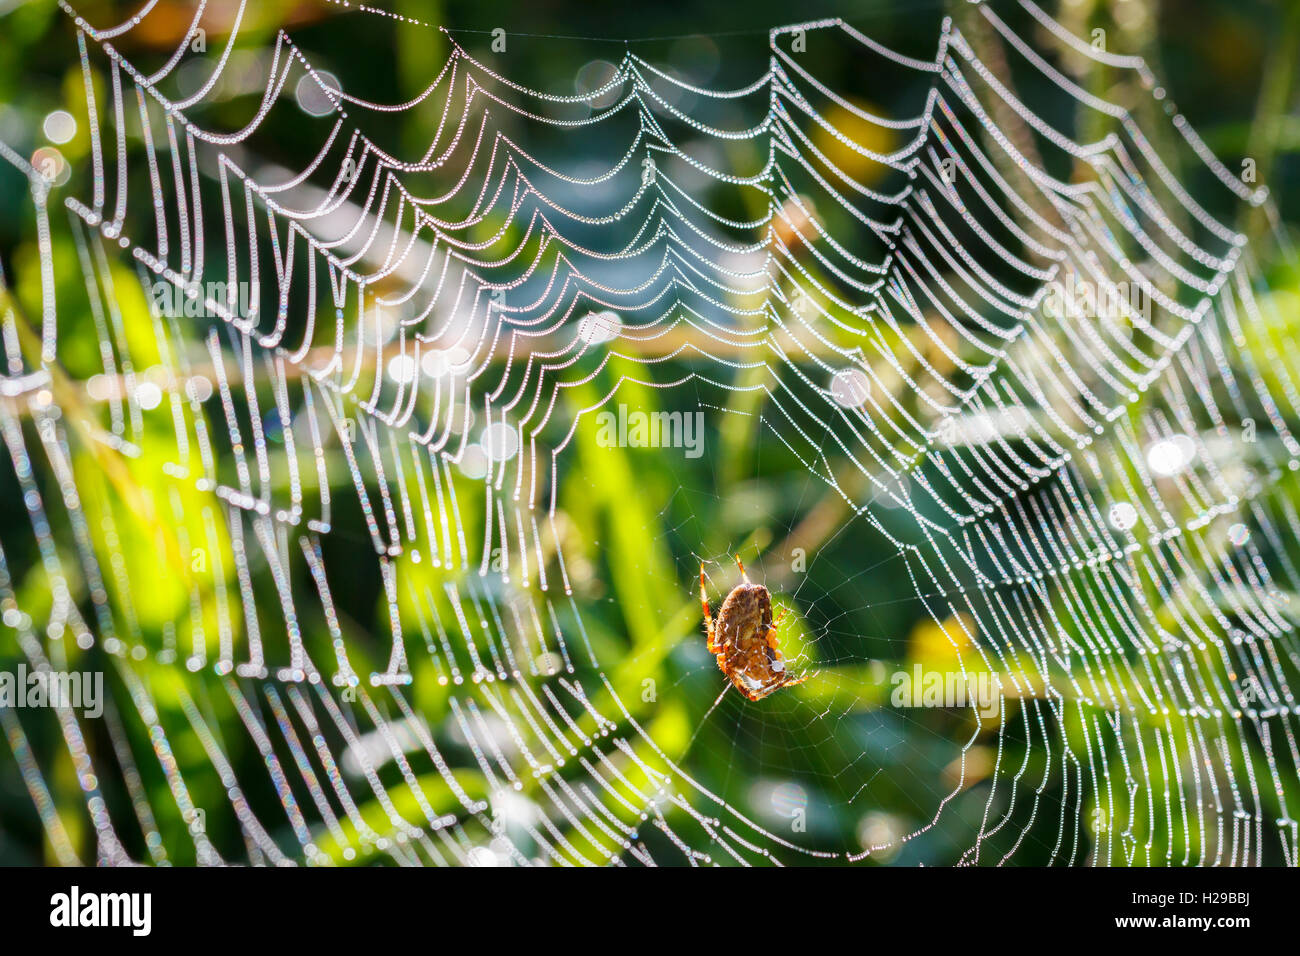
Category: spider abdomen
<point>744,628</point>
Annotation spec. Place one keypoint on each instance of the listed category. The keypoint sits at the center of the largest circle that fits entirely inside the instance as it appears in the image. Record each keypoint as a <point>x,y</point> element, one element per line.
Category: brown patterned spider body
<point>744,639</point>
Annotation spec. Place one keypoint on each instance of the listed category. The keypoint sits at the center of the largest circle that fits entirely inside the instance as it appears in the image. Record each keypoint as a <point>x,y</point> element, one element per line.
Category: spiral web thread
<point>1090,506</point>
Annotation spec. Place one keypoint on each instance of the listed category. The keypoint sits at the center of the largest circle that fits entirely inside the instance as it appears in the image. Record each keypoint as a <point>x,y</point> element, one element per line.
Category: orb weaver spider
<point>744,639</point>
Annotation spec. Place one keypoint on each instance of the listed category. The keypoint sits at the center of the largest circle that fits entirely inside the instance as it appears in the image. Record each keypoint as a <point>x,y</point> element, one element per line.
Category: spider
<point>744,639</point>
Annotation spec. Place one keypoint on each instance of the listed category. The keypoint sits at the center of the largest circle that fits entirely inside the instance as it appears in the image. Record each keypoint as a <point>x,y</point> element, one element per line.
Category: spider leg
<point>772,686</point>
<point>741,565</point>
<point>708,616</point>
<point>748,694</point>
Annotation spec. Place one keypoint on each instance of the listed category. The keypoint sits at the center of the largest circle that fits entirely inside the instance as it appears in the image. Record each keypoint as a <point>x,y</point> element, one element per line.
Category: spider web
<point>366,582</point>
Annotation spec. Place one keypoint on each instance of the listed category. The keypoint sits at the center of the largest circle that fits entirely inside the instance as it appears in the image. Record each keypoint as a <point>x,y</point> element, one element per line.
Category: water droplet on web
<point>850,387</point>
<point>312,96</point>
<point>500,442</point>
<point>1123,516</point>
<point>1169,456</point>
<point>401,369</point>
<point>596,328</point>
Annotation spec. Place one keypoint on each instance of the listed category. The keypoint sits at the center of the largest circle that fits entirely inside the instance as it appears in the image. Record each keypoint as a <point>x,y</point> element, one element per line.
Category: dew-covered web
<point>311,461</point>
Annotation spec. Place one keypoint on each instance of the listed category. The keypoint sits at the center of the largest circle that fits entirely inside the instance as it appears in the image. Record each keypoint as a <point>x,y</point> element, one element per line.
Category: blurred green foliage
<point>647,519</point>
